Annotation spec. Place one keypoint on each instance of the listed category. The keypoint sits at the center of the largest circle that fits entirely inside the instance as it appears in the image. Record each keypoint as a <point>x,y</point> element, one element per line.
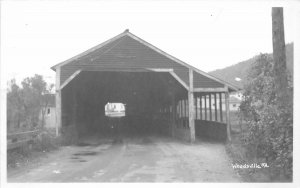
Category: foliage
<point>269,134</point>
<point>14,105</point>
<point>24,103</point>
<point>241,69</point>
<point>46,140</point>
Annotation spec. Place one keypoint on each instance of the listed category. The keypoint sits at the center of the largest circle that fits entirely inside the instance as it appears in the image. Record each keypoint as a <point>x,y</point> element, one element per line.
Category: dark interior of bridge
<point>144,93</point>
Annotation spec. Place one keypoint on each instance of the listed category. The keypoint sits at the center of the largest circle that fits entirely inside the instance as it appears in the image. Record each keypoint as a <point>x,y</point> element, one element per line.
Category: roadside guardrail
<point>16,140</point>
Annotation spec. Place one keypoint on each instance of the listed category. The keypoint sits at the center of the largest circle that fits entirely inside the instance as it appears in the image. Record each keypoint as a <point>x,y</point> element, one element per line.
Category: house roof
<point>234,99</point>
<point>127,51</point>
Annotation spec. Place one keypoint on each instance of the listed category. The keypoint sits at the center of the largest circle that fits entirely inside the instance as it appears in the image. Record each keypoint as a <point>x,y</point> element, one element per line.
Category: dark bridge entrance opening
<point>144,93</point>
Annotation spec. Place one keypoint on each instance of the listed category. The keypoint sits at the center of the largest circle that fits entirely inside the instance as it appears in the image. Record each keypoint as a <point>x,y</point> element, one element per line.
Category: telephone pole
<point>279,53</point>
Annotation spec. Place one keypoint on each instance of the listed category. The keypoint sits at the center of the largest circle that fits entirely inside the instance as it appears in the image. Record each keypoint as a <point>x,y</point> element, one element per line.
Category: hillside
<point>240,70</point>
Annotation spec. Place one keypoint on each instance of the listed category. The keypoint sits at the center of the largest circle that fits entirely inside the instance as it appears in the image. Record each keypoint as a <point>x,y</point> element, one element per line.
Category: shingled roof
<point>127,51</point>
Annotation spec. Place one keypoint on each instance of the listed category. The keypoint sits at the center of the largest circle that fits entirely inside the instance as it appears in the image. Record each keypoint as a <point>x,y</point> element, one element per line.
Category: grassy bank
<point>238,153</point>
<point>23,156</point>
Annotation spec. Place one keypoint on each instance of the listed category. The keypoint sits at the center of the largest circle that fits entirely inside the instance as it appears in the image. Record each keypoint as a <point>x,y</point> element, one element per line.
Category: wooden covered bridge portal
<point>161,92</point>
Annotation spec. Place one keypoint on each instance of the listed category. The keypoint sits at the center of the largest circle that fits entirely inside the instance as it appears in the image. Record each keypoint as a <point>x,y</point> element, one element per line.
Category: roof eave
<point>234,88</point>
<point>90,50</point>
<point>229,85</point>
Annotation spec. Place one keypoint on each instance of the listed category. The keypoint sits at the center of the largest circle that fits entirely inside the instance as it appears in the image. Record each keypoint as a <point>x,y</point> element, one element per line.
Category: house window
<point>48,111</point>
<point>234,105</point>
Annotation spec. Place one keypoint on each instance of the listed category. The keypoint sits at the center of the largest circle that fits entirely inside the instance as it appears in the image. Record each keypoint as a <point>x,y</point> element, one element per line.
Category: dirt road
<point>138,159</point>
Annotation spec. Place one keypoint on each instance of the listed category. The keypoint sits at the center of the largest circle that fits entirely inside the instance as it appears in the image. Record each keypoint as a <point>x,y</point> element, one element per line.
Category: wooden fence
<point>16,140</point>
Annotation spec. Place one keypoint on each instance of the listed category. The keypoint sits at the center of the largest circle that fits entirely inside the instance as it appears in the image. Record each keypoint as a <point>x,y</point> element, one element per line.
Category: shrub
<point>269,133</point>
<point>46,141</point>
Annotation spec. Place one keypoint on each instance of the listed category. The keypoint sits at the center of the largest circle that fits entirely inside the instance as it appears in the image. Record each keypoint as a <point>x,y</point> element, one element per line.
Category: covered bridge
<point>162,93</point>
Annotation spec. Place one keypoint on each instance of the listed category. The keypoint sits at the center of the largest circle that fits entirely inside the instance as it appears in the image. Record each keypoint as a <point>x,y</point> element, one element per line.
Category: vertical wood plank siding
<point>210,111</point>
<point>221,110</point>
<point>200,107</point>
<point>216,107</point>
<point>205,107</point>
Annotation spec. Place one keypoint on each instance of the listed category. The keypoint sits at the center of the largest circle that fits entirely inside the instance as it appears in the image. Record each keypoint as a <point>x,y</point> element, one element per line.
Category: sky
<point>36,35</point>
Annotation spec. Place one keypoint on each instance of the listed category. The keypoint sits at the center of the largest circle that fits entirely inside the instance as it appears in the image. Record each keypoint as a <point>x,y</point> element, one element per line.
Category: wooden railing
<point>16,140</point>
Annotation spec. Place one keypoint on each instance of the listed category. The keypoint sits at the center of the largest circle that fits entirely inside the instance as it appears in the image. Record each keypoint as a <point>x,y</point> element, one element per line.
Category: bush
<point>46,141</point>
<point>269,121</point>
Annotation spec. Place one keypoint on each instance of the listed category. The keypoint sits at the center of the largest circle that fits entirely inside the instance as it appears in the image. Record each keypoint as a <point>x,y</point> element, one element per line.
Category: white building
<point>48,114</point>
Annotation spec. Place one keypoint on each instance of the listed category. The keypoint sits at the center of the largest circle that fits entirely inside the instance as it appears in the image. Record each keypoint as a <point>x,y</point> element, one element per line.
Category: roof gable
<point>128,51</point>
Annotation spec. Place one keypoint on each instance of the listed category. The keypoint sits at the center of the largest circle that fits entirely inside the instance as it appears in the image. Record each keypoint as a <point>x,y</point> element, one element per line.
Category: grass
<point>238,154</point>
<point>25,155</point>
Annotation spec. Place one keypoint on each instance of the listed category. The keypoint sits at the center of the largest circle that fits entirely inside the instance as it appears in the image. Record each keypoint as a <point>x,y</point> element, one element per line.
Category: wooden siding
<point>201,81</point>
<point>128,53</point>
<point>211,130</point>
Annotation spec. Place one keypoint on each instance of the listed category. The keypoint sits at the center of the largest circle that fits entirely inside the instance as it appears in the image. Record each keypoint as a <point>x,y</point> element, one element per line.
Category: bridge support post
<point>173,115</point>
<point>58,102</point>
<point>228,126</point>
<point>191,107</point>
<point>216,107</point>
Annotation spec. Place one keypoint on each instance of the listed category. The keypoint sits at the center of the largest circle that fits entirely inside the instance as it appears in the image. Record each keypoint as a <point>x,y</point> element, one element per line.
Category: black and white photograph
<point>149,91</point>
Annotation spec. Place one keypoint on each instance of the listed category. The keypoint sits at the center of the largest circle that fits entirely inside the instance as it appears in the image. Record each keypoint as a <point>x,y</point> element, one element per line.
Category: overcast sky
<point>36,35</point>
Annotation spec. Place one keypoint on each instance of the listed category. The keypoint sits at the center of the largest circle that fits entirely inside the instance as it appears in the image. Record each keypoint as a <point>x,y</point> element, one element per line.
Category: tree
<point>269,135</point>
<point>14,106</point>
<point>267,107</point>
<point>25,103</point>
